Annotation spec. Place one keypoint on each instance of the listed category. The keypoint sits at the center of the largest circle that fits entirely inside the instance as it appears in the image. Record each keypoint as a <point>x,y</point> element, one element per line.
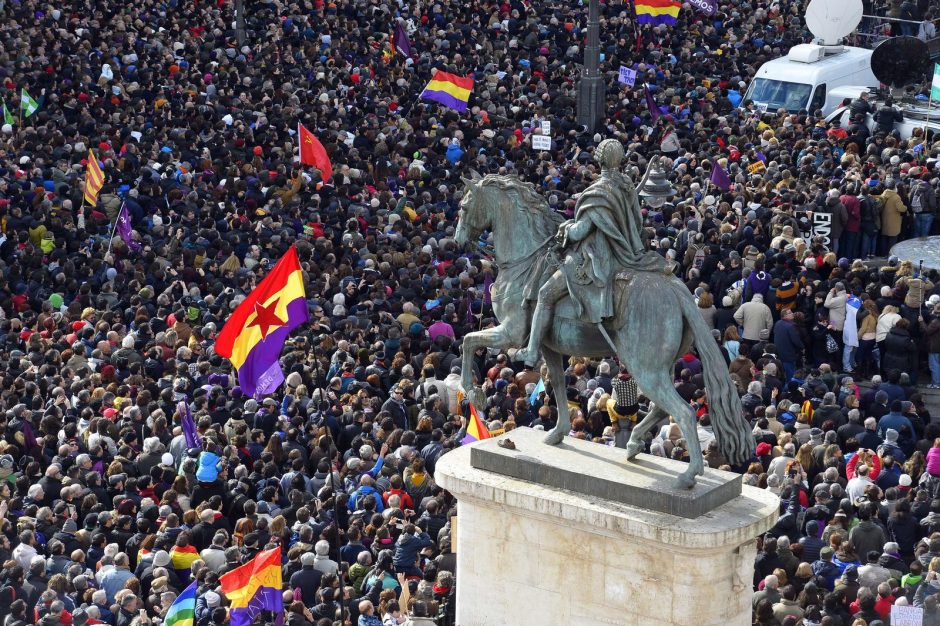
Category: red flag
<point>313,153</point>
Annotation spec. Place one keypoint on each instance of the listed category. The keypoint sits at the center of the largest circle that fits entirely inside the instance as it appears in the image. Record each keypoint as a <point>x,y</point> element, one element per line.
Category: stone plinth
<point>652,483</point>
<point>531,553</point>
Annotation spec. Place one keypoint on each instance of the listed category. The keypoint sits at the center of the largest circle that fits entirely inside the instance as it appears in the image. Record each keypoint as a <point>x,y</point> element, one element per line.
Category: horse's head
<point>473,215</point>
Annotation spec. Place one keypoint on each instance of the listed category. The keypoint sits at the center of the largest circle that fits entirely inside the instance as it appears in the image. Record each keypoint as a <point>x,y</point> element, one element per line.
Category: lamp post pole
<point>240,22</point>
<point>591,98</point>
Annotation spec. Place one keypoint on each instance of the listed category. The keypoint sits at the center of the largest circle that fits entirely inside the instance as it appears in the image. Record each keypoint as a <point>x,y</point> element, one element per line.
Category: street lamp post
<point>591,87</point>
<point>240,22</point>
<point>655,187</point>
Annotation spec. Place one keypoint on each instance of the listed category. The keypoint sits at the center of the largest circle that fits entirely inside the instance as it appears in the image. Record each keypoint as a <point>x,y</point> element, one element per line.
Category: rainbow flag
<point>255,587</point>
<point>657,11</point>
<point>254,335</point>
<point>450,90</point>
<point>183,610</point>
<point>476,429</point>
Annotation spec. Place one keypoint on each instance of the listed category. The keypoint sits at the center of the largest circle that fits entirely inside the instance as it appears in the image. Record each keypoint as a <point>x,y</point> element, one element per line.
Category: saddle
<point>565,309</point>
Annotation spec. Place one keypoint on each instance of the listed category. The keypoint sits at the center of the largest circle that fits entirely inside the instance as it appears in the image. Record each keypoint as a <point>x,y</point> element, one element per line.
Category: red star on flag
<point>266,318</point>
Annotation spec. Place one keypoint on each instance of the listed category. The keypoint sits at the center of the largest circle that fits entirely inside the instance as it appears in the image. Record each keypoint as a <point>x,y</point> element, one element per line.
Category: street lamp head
<point>655,188</point>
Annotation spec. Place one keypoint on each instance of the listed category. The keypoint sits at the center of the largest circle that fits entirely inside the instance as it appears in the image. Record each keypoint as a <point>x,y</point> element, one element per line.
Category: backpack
<point>699,259</point>
<point>918,199</point>
<point>870,213</point>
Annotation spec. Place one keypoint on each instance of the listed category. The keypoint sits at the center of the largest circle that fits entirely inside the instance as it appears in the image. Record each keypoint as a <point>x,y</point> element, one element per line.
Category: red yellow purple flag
<point>476,429</point>
<point>255,587</point>
<point>254,335</point>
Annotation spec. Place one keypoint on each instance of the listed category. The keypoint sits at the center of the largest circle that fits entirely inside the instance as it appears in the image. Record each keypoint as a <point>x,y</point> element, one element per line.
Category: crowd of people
<point>106,514</point>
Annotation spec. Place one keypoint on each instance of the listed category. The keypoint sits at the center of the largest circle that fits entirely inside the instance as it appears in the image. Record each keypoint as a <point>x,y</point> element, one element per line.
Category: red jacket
<point>406,502</point>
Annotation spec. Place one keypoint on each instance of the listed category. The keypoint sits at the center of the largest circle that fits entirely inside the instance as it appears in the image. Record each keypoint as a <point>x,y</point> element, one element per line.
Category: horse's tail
<point>735,439</point>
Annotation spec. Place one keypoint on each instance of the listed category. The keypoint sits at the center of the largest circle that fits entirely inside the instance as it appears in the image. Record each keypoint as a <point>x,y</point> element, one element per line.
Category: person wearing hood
<point>892,211</point>
<point>923,199</point>
<point>900,350</point>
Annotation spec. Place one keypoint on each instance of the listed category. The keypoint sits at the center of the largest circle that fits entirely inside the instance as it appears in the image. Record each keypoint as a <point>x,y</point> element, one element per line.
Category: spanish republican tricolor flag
<point>94,179</point>
<point>255,587</point>
<point>253,337</point>
<point>657,11</point>
<point>476,429</point>
<point>450,90</point>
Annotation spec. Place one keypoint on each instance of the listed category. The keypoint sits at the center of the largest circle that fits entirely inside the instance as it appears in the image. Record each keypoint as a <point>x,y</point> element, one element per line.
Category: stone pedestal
<point>533,553</point>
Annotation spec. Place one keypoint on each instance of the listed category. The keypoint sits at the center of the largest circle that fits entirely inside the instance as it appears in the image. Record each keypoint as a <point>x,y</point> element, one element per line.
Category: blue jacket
<point>362,492</point>
<point>209,465</point>
<point>408,546</point>
<point>788,342</point>
<point>895,421</point>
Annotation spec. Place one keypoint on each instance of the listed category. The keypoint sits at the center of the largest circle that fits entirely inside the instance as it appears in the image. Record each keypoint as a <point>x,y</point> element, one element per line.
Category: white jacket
<point>886,322</point>
<point>754,316</point>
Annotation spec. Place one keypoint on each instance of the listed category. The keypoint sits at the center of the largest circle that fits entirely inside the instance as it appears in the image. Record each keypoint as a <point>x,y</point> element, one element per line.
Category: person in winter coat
<point>931,332</point>
<point>892,210</point>
<point>754,317</point>
<point>886,321</point>
<point>788,342</point>
<point>210,464</point>
<point>923,206</point>
<point>838,221</point>
<point>849,243</point>
<point>835,303</point>
<point>409,544</point>
<point>824,350</point>
<point>900,351</point>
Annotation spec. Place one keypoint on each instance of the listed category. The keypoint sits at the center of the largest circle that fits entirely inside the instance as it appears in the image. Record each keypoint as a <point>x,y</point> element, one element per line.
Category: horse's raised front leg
<point>495,337</point>
<point>556,370</point>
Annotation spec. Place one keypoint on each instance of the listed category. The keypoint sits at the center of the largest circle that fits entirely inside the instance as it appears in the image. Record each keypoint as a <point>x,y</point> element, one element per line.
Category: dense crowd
<point>106,514</point>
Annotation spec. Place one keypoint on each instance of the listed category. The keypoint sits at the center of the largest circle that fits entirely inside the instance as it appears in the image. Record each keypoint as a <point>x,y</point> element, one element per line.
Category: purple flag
<point>468,302</point>
<point>708,7</point>
<point>487,286</point>
<point>402,45</point>
<point>761,157</point>
<point>719,178</point>
<point>193,440</point>
<point>651,103</point>
<point>124,229</point>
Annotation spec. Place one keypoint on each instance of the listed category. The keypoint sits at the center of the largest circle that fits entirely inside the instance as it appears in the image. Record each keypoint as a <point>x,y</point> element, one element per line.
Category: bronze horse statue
<point>658,323</point>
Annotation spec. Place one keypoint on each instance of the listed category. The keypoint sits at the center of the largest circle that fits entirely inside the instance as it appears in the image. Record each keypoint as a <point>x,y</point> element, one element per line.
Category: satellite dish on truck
<point>831,20</point>
<point>901,61</point>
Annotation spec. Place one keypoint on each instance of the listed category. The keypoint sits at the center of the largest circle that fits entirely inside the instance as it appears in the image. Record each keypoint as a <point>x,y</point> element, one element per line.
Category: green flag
<point>935,87</point>
<point>7,116</point>
<point>27,103</point>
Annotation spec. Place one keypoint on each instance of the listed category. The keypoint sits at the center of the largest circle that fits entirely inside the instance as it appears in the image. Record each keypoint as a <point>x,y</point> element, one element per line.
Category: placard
<point>627,76</point>
<point>547,128</point>
<point>541,142</point>
<point>906,615</point>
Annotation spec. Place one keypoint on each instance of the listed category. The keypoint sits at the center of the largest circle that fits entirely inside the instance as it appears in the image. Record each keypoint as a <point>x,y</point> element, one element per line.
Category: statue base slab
<point>529,552</point>
<point>584,467</point>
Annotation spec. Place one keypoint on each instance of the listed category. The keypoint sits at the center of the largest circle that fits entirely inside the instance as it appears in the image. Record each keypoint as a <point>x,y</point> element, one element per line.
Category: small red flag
<point>313,153</point>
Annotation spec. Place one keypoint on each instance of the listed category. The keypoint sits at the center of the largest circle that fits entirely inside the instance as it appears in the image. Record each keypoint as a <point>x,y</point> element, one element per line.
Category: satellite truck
<point>806,79</point>
<point>823,74</point>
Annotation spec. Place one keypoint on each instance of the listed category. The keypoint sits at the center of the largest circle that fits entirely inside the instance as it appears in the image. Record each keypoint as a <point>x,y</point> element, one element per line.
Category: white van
<point>803,79</point>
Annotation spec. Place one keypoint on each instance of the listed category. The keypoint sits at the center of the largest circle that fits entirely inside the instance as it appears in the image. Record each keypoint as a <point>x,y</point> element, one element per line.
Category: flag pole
<point>923,154</point>
<point>113,230</point>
